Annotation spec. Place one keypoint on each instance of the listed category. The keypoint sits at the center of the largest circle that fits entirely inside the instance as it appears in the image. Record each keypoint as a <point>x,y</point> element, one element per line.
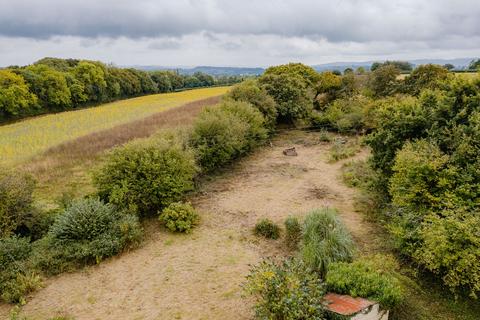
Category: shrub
<point>16,278</point>
<point>421,178</point>
<point>450,248</point>
<point>428,76</point>
<point>362,279</point>
<point>218,137</point>
<point>325,240</point>
<point>383,81</point>
<point>146,176</point>
<point>343,149</point>
<point>293,232</point>
<point>267,228</point>
<point>291,94</point>
<point>347,115</point>
<point>16,201</point>
<point>249,91</point>
<point>87,232</point>
<point>287,291</point>
<point>15,290</point>
<point>179,217</point>
<point>243,111</point>
<point>397,121</point>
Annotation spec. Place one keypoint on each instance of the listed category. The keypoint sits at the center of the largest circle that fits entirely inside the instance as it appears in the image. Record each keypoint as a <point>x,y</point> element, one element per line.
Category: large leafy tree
<point>92,76</point>
<point>15,96</point>
<point>49,85</point>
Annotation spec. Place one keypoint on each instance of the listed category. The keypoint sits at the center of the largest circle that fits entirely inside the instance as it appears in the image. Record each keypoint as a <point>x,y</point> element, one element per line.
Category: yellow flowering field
<point>22,140</point>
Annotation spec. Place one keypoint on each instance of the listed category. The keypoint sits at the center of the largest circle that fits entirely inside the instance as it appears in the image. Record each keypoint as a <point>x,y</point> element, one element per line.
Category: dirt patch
<point>199,276</point>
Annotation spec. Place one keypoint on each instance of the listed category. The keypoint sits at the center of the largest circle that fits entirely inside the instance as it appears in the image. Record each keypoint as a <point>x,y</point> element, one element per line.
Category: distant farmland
<point>22,140</point>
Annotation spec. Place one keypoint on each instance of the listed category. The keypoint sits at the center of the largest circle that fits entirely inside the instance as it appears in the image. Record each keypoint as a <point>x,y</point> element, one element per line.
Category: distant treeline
<point>53,85</point>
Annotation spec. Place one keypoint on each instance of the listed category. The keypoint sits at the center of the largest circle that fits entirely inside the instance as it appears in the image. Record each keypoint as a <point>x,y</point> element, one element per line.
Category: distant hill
<point>214,71</point>
<point>459,63</point>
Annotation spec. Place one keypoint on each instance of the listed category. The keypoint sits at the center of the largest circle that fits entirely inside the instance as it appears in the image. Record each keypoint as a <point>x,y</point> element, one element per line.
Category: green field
<point>22,140</point>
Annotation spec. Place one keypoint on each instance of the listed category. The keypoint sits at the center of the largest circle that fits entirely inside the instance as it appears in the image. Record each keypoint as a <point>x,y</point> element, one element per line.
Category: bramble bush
<point>287,291</point>
<point>267,228</point>
<point>146,176</point>
<point>179,217</point>
<point>88,231</point>
<point>325,240</point>
<point>361,278</point>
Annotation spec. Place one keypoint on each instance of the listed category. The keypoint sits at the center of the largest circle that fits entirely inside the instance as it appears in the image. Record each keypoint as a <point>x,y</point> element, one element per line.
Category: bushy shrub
<point>421,177</point>
<point>179,217</point>
<point>293,232</point>
<point>86,232</point>
<point>16,277</point>
<point>398,120</point>
<point>267,228</point>
<point>325,240</point>
<point>427,76</point>
<point>243,111</point>
<point>146,176</point>
<point>16,201</point>
<point>383,81</point>
<point>290,91</point>
<point>450,248</point>
<point>347,115</point>
<point>287,291</point>
<point>249,91</point>
<point>362,279</point>
<point>223,133</point>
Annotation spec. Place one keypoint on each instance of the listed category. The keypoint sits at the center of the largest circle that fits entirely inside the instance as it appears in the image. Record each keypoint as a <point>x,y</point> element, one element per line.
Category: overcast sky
<point>237,32</point>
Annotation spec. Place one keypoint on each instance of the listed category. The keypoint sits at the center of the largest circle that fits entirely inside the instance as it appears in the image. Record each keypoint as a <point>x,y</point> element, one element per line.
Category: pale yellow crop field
<point>22,140</point>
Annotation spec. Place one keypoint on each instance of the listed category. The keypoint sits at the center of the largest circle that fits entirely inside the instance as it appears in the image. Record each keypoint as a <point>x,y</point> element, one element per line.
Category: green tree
<point>92,77</point>
<point>49,85</point>
<point>428,76</point>
<point>449,66</point>
<point>15,96</point>
<point>290,92</point>
<point>383,81</point>
<point>474,65</point>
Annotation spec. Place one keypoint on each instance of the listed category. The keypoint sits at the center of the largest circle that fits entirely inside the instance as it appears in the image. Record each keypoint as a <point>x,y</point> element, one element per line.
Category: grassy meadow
<point>21,141</point>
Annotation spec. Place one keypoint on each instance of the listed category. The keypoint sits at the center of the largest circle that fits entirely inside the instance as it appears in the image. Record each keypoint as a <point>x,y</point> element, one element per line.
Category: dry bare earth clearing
<point>199,276</point>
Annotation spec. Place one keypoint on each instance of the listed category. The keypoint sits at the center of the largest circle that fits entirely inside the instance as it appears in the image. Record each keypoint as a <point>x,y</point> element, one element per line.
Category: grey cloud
<point>336,21</point>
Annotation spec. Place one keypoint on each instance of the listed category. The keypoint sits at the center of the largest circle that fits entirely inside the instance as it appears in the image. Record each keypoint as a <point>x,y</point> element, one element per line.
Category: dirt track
<point>199,276</point>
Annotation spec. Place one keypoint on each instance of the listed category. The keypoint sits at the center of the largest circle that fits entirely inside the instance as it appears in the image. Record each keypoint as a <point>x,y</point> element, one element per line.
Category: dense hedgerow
<point>223,133</point>
<point>88,231</point>
<point>146,176</point>
<point>362,279</point>
<point>325,240</point>
<point>287,290</point>
<point>16,202</point>
<point>179,217</point>
<point>267,228</point>
<point>427,152</point>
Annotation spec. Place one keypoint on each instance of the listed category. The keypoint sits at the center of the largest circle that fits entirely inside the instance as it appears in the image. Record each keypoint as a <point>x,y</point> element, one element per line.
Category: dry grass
<point>64,168</point>
<point>23,140</point>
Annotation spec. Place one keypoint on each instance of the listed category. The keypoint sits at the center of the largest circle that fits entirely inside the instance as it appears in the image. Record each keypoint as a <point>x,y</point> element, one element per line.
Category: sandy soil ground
<point>199,276</point>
